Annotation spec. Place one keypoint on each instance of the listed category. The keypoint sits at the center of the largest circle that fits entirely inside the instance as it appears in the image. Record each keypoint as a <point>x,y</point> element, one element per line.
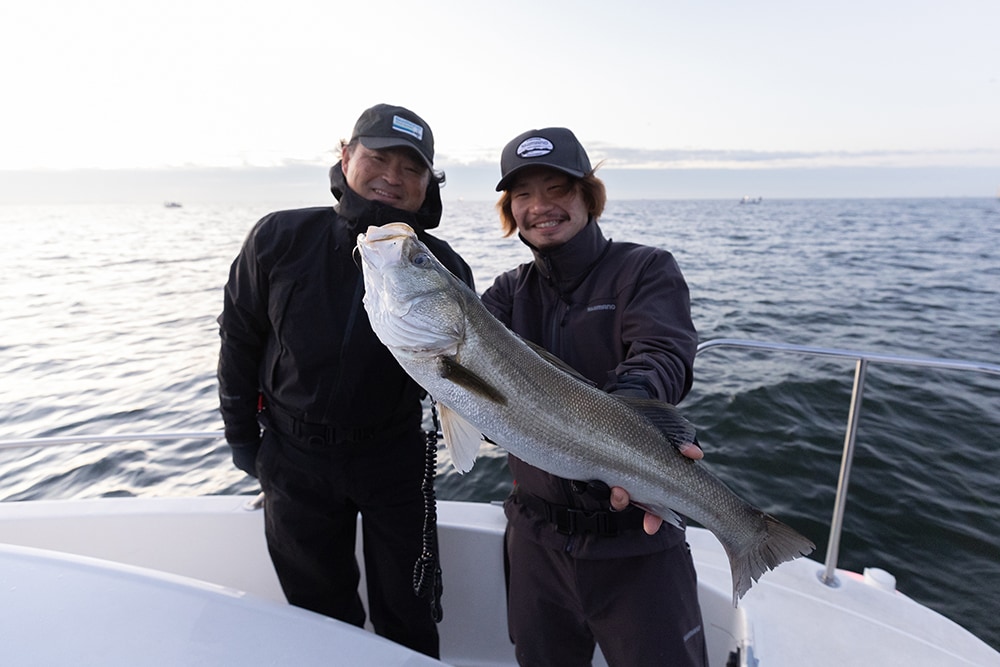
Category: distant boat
<point>751,200</point>
<point>171,204</point>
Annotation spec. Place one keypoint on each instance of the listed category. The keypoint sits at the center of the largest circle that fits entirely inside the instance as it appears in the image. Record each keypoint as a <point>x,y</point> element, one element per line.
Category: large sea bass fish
<point>487,381</point>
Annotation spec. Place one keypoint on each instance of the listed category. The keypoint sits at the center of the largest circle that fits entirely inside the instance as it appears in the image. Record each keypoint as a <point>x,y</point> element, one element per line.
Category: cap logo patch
<point>534,147</point>
<point>400,124</point>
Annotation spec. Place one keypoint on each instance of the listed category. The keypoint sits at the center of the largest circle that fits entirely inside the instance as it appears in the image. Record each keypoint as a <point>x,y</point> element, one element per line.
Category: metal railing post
<point>829,576</point>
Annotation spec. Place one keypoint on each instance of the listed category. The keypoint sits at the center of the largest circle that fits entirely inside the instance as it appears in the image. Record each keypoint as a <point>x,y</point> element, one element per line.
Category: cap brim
<point>509,176</point>
<point>379,143</point>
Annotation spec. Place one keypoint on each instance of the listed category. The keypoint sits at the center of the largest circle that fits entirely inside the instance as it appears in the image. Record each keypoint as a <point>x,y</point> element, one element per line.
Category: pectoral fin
<point>452,370</point>
<point>460,437</point>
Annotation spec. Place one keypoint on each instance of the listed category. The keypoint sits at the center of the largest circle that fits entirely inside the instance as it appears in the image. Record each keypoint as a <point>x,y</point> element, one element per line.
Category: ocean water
<point>109,327</point>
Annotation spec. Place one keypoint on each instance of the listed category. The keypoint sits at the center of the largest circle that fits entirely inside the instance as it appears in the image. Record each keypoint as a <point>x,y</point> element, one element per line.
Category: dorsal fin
<point>665,417</point>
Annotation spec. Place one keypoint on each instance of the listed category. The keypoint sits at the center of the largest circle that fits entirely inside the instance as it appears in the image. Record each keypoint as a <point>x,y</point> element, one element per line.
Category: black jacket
<point>293,326</point>
<point>620,314</point>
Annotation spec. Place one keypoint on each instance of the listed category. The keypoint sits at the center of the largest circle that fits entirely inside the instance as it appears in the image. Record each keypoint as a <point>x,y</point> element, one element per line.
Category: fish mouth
<point>381,246</point>
<point>393,230</point>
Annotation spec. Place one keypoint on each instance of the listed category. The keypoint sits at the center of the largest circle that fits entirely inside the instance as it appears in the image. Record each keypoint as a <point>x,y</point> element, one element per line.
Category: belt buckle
<point>565,520</point>
<point>607,524</point>
<point>572,521</point>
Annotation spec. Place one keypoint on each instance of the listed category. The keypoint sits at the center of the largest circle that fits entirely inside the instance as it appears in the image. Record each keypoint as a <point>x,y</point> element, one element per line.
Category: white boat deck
<point>63,609</point>
<point>212,576</point>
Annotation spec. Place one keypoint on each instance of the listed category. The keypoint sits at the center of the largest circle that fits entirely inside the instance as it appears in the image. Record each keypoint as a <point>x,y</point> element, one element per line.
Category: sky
<point>678,98</point>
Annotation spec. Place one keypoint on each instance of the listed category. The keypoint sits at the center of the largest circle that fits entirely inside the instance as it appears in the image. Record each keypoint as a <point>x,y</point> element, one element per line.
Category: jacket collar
<point>362,213</point>
<point>568,264</point>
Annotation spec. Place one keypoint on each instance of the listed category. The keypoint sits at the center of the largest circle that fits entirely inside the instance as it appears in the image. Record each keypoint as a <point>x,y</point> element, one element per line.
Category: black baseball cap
<point>554,147</point>
<point>388,126</point>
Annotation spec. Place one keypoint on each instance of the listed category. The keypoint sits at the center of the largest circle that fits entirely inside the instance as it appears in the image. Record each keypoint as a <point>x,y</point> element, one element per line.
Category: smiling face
<point>547,206</point>
<point>393,176</point>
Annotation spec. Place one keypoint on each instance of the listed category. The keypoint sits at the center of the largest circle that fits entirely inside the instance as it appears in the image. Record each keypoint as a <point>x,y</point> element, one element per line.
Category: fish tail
<point>773,544</point>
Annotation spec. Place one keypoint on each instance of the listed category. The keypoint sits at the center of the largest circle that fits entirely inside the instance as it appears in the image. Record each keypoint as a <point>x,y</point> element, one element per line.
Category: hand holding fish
<point>651,523</point>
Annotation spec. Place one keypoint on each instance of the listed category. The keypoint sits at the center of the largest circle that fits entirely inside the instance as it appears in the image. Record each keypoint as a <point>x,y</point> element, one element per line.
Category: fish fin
<point>665,513</point>
<point>460,437</point>
<point>775,543</point>
<point>665,417</point>
<point>557,362</point>
<point>451,369</point>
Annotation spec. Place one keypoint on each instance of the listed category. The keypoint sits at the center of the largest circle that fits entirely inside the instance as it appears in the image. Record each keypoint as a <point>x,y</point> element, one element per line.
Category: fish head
<point>413,302</point>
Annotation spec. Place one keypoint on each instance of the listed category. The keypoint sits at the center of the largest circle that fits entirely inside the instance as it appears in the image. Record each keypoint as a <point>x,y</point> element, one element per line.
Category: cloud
<point>639,158</point>
<point>622,157</point>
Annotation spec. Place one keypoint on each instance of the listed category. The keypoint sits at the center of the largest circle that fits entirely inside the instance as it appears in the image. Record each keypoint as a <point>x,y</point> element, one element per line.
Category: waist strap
<point>288,425</point>
<point>575,521</point>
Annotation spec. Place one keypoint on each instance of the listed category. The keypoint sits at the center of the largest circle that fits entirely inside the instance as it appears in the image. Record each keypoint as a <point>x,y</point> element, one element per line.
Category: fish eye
<point>421,258</point>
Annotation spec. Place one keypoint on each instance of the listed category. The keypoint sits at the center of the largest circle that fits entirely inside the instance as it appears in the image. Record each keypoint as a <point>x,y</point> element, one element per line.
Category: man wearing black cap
<point>341,420</point>
<point>582,568</point>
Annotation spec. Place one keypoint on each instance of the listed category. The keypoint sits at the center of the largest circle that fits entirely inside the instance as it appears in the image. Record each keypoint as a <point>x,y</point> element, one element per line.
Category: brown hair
<point>592,188</point>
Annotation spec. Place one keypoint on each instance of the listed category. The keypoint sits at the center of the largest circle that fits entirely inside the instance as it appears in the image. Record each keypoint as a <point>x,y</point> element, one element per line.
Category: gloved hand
<point>245,456</point>
<point>630,386</point>
<point>630,392</point>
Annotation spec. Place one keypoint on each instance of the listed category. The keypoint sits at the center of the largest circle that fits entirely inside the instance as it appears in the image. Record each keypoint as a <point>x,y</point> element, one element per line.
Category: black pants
<point>314,491</point>
<point>643,610</point>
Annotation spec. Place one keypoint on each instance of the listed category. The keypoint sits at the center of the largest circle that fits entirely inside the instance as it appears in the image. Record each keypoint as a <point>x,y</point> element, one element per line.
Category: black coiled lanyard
<point>427,571</point>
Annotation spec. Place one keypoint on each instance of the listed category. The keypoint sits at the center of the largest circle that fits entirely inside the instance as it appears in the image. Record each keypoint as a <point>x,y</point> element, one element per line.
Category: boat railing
<point>862,361</point>
<point>61,441</point>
